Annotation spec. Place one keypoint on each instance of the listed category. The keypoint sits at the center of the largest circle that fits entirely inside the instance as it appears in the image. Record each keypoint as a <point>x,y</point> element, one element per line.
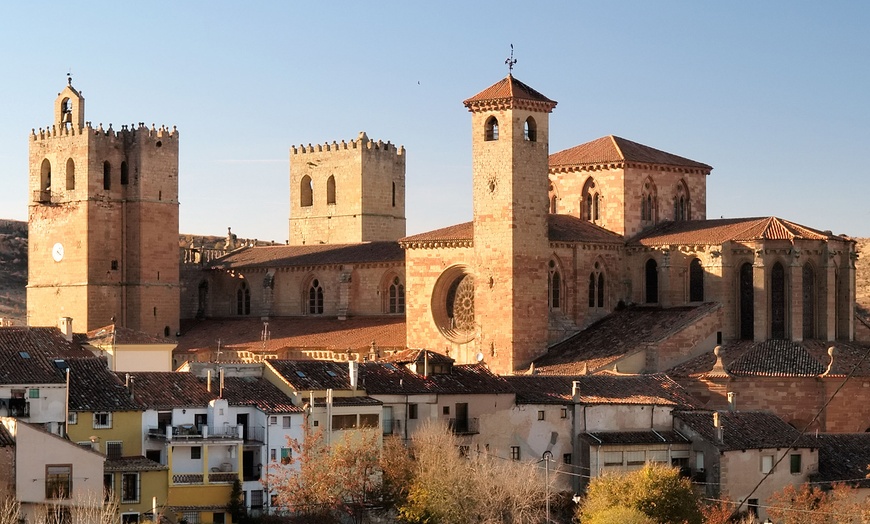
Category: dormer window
<point>491,129</point>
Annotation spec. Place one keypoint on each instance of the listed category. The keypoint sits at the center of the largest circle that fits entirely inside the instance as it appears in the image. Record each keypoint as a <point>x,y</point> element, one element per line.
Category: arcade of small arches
<point>45,172</point>
<point>530,129</point>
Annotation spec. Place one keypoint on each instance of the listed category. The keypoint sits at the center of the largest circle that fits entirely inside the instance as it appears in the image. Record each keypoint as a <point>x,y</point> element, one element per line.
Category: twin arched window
<point>649,202</point>
<point>591,201</point>
<point>682,209</point>
<point>596,287</point>
<point>396,296</point>
<point>315,298</point>
<point>243,299</point>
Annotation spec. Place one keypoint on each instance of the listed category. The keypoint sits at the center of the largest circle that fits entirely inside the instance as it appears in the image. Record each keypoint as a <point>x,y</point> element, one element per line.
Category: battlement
<point>133,131</point>
<point>362,142</point>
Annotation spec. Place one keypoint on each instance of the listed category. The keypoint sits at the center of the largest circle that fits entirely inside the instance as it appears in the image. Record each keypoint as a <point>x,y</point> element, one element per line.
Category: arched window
<point>554,286</point>
<point>596,286</point>
<point>681,202</point>
<point>553,204</point>
<point>777,302</point>
<point>125,175</point>
<point>648,202</point>
<point>315,298</point>
<point>746,289</point>
<point>306,192</point>
<point>202,300</point>
<point>809,301</point>
<point>397,296</point>
<point>591,201</point>
<point>490,129</point>
<point>107,175</point>
<point>553,195</point>
<point>243,299</point>
<point>530,130</point>
<point>70,174</point>
<point>166,331</point>
<point>651,281</point>
<point>696,281</point>
<point>45,175</point>
<point>330,190</point>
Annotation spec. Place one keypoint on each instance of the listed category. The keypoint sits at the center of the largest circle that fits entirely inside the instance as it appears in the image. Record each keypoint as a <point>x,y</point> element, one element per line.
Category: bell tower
<point>510,149</point>
<point>103,223</point>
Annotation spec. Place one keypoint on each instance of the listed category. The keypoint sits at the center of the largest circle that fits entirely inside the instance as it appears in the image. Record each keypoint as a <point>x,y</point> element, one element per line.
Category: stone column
<point>830,299</point>
<point>665,298</point>
<point>760,295</point>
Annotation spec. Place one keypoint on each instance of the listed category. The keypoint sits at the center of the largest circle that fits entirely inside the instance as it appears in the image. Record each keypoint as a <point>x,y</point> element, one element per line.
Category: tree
<point>318,481</point>
<point>807,504</point>
<point>453,484</point>
<point>236,506</point>
<point>658,492</point>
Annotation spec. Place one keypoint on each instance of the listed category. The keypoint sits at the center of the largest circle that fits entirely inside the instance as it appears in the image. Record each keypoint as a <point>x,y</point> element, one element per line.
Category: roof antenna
<point>510,62</point>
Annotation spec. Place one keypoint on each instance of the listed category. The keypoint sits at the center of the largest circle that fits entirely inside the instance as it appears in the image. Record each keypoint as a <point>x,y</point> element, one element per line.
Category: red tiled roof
<point>310,255</point>
<point>27,355</point>
<point>123,336</point>
<point>718,231</point>
<point>613,149</point>
<point>310,332</point>
<point>257,392</point>
<point>384,378</point>
<point>744,430</point>
<point>417,356</point>
<point>560,228</point>
<point>605,388</point>
<point>623,438</point>
<point>133,464</point>
<point>313,375</point>
<point>617,335</point>
<point>843,457</point>
<point>508,90</point>
<point>169,390</point>
<point>781,358</point>
<point>93,387</point>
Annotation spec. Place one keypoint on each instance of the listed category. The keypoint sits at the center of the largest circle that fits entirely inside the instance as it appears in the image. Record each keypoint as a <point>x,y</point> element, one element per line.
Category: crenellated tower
<point>510,148</point>
<point>103,223</point>
<point>347,193</point>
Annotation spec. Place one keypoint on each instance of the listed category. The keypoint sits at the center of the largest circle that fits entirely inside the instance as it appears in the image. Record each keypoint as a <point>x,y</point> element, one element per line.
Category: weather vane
<point>69,76</point>
<point>511,61</point>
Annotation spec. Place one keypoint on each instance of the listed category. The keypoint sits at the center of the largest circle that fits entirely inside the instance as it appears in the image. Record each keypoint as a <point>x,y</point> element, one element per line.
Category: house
<point>129,350</point>
<point>746,456</point>
<point>50,471</point>
<point>103,416</point>
<point>190,430</point>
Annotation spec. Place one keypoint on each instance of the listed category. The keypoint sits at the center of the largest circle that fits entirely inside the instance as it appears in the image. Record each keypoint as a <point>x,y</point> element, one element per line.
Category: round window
<point>453,304</point>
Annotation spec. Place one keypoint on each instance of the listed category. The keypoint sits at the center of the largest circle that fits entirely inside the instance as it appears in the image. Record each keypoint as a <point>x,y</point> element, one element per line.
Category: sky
<point>774,95</point>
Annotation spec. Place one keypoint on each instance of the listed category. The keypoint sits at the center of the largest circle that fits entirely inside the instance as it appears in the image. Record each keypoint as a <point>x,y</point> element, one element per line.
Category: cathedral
<point>560,247</point>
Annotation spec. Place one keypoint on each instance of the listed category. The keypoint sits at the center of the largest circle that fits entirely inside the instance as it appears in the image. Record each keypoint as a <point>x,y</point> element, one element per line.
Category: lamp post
<point>547,456</point>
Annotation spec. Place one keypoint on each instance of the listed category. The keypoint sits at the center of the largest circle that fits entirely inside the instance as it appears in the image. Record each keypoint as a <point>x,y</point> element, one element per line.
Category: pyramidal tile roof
<point>613,149</point>
<point>718,231</point>
<point>310,255</point>
<point>509,93</point>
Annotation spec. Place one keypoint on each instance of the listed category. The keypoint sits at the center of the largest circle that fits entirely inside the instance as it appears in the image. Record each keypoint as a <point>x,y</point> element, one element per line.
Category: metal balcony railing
<point>464,426</point>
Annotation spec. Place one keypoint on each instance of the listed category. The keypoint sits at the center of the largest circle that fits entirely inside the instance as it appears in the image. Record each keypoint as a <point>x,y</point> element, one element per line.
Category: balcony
<point>42,196</point>
<point>222,474</point>
<point>464,426</point>
<point>189,432</point>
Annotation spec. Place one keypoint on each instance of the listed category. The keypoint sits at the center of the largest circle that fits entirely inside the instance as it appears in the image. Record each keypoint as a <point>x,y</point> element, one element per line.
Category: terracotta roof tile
<point>417,356</point>
<point>133,464</point>
<point>776,358</point>
<point>617,335</point>
<point>27,355</point>
<point>310,255</point>
<point>606,388</point>
<point>93,387</point>
<point>312,375</point>
<point>506,91</point>
<point>633,437</point>
<point>744,430</point>
<point>560,228</point>
<point>613,149</point>
<point>6,438</point>
<point>169,390</point>
<point>289,333</point>
<point>843,457</point>
<point>719,231</point>
<point>384,378</point>
<point>256,392</point>
<point>123,335</point>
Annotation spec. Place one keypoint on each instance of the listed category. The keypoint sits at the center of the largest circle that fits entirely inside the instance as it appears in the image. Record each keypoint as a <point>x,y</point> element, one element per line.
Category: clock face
<point>57,252</point>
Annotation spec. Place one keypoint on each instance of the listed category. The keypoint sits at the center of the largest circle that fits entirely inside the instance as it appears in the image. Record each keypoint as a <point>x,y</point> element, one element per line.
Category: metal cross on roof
<point>511,61</point>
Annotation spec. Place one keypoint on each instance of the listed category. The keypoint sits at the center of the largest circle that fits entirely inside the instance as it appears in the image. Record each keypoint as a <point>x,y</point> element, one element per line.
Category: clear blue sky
<point>774,95</point>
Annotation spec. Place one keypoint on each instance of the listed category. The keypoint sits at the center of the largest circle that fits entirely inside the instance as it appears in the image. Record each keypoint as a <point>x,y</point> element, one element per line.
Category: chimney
<point>732,401</point>
<point>353,371</point>
<point>575,390</point>
<point>65,326</point>
<point>720,430</point>
<point>208,380</point>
